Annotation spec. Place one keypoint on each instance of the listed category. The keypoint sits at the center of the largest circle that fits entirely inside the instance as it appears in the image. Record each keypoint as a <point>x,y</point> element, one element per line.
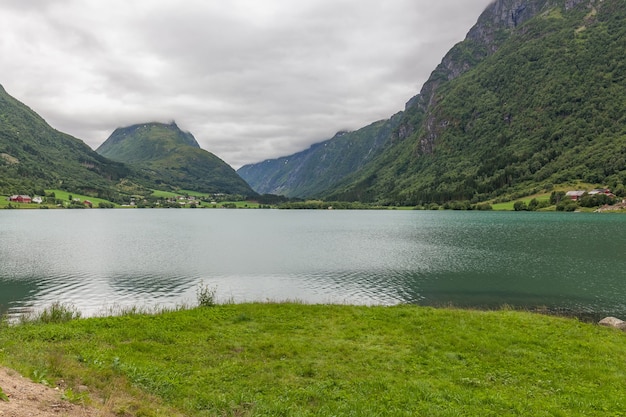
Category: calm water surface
<point>98,259</point>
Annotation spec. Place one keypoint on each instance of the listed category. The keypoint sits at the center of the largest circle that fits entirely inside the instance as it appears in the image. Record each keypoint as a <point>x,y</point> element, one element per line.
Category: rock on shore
<point>613,322</point>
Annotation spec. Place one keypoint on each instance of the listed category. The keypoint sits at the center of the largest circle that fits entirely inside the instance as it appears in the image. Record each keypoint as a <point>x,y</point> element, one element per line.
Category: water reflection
<point>16,295</point>
<point>100,258</point>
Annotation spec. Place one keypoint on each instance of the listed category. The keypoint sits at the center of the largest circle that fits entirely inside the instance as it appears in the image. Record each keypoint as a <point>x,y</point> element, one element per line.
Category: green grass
<point>4,202</point>
<point>65,196</point>
<point>219,204</point>
<point>323,360</point>
<point>3,396</point>
<point>165,194</point>
<point>508,206</point>
<point>194,193</point>
<point>239,204</point>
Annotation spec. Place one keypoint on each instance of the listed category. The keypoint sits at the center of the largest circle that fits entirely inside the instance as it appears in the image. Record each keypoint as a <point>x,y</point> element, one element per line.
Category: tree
<point>520,206</point>
<point>567,205</point>
<point>556,197</point>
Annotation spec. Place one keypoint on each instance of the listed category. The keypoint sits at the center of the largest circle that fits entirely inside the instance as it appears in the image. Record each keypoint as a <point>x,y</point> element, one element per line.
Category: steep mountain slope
<point>532,97</point>
<point>170,157</point>
<point>34,156</point>
<point>310,172</point>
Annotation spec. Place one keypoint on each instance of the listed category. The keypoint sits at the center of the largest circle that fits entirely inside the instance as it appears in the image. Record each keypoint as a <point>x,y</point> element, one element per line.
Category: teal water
<point>98,259</point>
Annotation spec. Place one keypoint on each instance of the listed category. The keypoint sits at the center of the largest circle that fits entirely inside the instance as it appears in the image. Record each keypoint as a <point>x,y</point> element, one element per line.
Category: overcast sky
<point>250,79</point>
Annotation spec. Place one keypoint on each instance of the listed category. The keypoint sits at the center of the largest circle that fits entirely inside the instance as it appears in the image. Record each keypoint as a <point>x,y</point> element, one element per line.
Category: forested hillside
<point>169,157</point>
<point>544,108</point>
<point>532,98</point>
<point>34,156</point>
<point>311,172</point>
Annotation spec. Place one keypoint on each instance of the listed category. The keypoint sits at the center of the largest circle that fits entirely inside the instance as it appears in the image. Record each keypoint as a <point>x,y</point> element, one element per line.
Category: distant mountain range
<point>310,172</point>
<point>532,98</point>
<point>133,161</point>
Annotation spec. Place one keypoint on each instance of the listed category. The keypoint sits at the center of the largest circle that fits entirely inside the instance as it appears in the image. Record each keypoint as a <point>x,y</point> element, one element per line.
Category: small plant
<point>205,295</point>
<point>57,312</point>
<point>117,364</point>
<point>75,397</point>
<point>3,396</point>
<point>40,377</point>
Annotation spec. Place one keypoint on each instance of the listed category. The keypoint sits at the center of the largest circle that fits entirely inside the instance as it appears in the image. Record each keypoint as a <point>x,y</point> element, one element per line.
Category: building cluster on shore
<point>576,195</point>
<point>25,199</point>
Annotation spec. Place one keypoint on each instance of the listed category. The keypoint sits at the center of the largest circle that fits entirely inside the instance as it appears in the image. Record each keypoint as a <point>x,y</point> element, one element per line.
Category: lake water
<point>98,259</point>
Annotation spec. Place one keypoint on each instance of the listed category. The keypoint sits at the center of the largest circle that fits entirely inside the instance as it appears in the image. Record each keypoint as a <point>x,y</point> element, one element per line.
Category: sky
<point>250,79</point>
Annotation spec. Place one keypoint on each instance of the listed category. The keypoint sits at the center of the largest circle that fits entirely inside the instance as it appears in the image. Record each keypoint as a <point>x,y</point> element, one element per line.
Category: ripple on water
<point>152,257</point>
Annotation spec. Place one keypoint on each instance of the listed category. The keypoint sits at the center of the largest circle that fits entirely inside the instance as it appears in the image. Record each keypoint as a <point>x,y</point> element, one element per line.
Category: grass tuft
<point>206,296</point>
<point>134,310</point>
<point>3,396</point>
<point>57,312</point>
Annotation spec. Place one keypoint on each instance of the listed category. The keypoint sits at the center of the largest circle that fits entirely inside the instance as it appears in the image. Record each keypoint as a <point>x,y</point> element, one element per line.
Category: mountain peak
<point>164,150</point>
<point>145,141</point>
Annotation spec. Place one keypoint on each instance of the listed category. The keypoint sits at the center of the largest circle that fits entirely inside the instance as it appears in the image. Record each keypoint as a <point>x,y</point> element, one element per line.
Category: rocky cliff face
<point>503,112</point>
<point>506,14</point>
<point>494,26</point>
<point>309,172</point>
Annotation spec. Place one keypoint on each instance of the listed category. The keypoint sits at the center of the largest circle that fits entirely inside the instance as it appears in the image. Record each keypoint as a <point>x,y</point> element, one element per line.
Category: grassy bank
<point>509,206</point>
<point>323,360</point>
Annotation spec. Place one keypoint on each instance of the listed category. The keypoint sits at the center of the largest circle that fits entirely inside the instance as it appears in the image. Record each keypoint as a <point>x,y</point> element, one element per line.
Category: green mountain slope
<point>170,157</point>
<point>539,101</point>
<point>323,165</point>
<point>34,156</point>
<point>533,97</point>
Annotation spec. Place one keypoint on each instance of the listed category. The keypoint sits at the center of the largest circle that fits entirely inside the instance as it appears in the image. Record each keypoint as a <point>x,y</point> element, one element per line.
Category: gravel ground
<point>29,399</point>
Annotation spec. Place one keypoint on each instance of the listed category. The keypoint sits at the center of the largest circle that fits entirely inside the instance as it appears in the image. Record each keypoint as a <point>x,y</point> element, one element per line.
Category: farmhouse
<point>575,195</point>
<point>604,191</point>
<point>20,199</point>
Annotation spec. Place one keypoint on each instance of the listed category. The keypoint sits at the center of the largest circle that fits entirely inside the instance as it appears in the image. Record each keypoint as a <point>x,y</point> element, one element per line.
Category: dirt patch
<point>29,399</point>
<point>614,207</point>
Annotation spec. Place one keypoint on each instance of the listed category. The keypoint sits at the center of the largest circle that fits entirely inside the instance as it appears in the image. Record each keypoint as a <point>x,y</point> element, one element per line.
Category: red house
<point>20,199</point>
<point>575,195</point>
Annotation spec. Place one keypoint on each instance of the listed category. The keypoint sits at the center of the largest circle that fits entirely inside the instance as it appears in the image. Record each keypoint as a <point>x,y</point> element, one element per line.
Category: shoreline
<point>26,314</point>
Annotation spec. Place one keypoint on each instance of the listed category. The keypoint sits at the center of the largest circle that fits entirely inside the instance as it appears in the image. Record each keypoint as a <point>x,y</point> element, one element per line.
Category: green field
<point>165,194</point>
<point>193,193</point>
<point>4,202</point>
<point>327,360</point>
<point>508,206</point>
<point>65,196</point>
<point>59,194</point>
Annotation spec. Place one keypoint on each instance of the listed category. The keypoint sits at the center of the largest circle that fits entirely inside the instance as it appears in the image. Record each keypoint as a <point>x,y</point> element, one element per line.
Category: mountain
<point>170,157</point>
<point>311,172</point>
<point>34,156</point>
<point>533,97</point>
